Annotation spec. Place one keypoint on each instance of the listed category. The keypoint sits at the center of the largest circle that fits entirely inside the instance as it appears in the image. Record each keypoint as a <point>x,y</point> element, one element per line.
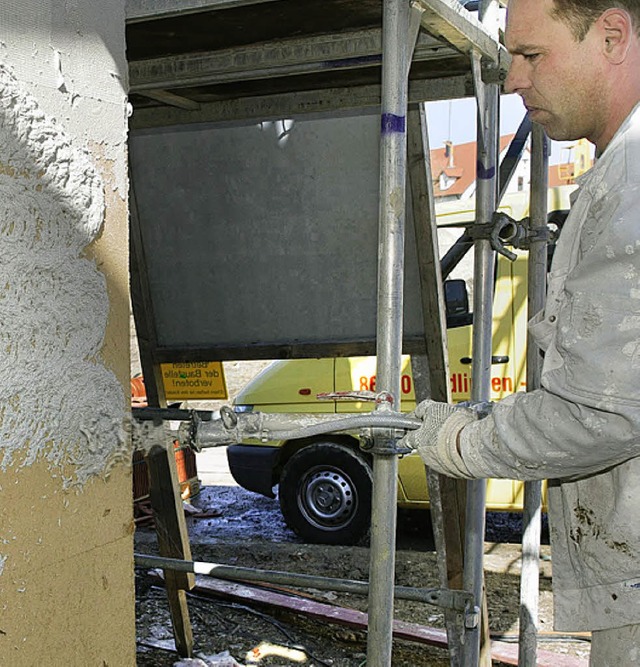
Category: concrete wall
<point>66,576</point>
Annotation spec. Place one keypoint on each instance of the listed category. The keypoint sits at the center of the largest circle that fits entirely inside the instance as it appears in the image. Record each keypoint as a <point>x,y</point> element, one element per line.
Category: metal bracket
<point>503,230</point>
<point>371,396</point>
<point>531,235</point>
<point>492,72</point>
<point>386,442</point>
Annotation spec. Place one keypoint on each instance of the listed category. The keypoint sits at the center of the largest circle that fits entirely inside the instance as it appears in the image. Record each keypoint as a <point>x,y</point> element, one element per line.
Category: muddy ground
<point>240,528</point>
<point>249,532</point>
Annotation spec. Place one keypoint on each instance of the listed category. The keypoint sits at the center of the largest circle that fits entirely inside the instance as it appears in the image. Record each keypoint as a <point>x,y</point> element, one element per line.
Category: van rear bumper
<point>252,467</point>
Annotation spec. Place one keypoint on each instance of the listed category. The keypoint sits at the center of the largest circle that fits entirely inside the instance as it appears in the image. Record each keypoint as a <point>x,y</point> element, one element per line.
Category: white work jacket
<point>581,430</point>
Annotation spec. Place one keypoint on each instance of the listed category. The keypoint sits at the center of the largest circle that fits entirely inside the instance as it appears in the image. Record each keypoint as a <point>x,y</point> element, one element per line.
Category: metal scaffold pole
<point>391,232</point>
<point>488,97</point>
<point>531,516</point>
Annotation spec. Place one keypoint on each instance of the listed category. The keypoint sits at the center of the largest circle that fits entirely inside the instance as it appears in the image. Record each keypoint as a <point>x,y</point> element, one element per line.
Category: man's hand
<point>437,439</point>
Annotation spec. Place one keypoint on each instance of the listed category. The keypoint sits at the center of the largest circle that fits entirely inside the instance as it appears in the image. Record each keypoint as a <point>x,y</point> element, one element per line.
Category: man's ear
<point>616,30</point>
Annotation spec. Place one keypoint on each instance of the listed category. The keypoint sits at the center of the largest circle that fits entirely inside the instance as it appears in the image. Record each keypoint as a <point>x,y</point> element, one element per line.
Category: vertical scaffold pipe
<point>488,96</point>
<point>531,515</point>
<point>393,149</point>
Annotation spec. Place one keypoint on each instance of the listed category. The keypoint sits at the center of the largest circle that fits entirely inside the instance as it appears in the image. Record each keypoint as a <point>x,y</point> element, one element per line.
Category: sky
<point>455,120</point>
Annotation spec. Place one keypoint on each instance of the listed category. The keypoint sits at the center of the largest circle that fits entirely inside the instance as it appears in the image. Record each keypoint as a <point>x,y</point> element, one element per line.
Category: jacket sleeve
<point>540,435</point>
<point>586,416</point>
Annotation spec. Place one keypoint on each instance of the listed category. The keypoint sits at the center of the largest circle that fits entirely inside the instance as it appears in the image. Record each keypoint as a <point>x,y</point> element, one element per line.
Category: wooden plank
<point>431,372</point>
<point>167,97</point>
<point>173,539</point>
<point>291,104</point>
<point>450,20</point>
<point>431,287</point>
<point>308,54</point>
<point>146,10</point>
<point>500,651</point>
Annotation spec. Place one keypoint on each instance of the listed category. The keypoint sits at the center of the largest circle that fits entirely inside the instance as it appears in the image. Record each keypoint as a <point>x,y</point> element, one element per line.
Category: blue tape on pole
<point>392,123</point>
<point>483,173</point>
<point>351,62</point>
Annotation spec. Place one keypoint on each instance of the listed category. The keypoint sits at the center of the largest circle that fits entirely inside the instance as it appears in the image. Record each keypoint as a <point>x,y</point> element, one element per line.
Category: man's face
<point>556,76</point>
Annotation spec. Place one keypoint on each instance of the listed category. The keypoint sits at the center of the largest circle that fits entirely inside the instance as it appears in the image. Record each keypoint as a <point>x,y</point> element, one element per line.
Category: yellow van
<point>324,483</point>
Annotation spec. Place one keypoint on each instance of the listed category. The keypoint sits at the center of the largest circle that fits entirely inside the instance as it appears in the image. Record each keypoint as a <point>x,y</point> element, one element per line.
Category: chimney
<point>448,152</point>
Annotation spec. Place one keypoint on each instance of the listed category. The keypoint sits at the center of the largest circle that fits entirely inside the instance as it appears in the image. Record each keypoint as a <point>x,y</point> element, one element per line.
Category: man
<point>576,64</point>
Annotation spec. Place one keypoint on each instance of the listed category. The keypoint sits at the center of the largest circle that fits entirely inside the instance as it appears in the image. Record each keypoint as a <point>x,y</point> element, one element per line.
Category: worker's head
<point>576,64</point>
<point>580,15</point>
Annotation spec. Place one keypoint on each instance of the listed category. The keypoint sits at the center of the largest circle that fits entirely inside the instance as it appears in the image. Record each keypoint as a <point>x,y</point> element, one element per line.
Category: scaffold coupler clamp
<point>501,230</point>
<point>382,441</point>
<point>383,400</point>
<point>521,234</point>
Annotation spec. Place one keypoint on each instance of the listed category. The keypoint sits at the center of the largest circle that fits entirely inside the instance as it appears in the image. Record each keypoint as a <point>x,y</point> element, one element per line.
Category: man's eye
<point>530,56</point>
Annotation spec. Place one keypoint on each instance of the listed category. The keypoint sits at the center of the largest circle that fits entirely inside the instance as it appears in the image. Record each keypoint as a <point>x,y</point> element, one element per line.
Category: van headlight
<point>242,408</point>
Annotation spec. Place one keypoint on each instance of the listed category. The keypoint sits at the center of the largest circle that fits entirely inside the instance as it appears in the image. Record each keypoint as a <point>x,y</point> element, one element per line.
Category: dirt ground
<point>249,532</point>
<point>244,529</point>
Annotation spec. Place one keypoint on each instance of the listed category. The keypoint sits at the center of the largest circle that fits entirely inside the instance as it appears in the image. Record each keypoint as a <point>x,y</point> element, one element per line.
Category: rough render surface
<point>57,399</point>
<point>66,578</point>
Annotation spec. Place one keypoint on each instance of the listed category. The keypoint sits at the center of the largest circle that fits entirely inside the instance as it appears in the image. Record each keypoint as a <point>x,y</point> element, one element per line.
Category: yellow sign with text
<point>196,380</point>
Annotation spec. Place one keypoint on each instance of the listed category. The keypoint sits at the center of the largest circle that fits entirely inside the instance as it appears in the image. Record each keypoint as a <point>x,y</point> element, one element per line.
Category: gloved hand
<point>436,439</point>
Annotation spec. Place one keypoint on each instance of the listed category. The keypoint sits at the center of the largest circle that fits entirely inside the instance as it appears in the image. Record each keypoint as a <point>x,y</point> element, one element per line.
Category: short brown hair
<point>580,15</point>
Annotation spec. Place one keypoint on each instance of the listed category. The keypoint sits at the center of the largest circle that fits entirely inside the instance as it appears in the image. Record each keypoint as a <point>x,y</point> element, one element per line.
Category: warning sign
<point>199,380</point>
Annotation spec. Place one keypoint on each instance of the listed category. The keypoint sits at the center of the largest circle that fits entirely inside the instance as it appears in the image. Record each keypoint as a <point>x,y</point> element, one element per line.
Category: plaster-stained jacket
<point>582,429</point>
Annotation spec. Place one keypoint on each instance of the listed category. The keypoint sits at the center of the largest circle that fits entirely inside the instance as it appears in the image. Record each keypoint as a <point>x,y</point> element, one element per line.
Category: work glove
<point>436,439</point>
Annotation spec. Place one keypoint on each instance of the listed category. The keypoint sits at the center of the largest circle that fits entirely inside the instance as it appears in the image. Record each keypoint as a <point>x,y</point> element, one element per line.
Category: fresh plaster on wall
<point>57,400</point>
<point>74,52</point>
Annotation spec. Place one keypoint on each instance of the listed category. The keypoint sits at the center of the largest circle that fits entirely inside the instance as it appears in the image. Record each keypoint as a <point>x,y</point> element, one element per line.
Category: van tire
<point>325,493</point>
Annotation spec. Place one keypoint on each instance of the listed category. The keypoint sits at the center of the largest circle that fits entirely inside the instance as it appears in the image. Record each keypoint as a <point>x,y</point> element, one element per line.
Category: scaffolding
<point>423,50</point>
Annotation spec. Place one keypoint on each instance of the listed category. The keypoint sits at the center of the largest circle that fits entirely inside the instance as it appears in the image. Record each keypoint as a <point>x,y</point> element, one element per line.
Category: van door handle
<point>500,359</point>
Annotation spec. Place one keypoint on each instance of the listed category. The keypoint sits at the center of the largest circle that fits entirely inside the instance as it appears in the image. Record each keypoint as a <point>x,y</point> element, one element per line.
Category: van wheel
<point>325,494</point>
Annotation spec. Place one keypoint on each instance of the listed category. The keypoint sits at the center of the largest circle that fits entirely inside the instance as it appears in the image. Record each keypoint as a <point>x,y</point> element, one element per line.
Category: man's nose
<point>516,79</point>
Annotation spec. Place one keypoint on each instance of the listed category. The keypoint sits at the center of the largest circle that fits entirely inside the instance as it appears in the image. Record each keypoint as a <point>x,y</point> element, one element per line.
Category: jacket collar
<point>595,175</point>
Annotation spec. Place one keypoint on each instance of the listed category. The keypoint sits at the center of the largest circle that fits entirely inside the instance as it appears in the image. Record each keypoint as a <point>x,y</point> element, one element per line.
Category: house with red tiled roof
<point>453,168</point>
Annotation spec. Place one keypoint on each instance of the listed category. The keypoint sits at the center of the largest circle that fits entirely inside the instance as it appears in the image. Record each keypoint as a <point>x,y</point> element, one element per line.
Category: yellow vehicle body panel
<point>291,386</point>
